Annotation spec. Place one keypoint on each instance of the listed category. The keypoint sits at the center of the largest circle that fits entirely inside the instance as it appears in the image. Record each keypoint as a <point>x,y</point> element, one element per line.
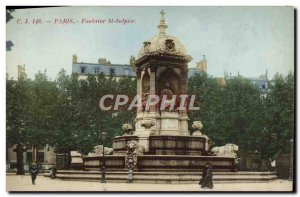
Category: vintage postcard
<point>150,99</point>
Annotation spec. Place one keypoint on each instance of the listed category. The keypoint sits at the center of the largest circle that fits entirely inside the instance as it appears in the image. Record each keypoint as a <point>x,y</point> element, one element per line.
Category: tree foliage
<point>280,114</point>
<point>239,113</point>
<point>17,111</point>
<point>65,113</point>
<point>78,106</point>
<point>9,17</point>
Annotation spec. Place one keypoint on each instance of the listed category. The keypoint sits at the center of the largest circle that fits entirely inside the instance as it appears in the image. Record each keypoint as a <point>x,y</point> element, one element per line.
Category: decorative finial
<point>162,15</point>
<point>162,24</point>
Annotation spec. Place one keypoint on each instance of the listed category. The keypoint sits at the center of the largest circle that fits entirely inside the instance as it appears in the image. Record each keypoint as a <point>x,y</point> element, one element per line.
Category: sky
<point>248,40</point>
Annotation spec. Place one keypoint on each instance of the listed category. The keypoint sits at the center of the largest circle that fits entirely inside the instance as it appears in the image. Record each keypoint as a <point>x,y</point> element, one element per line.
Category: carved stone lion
<point>229,150</point>
<point>127,128</point>
<point>134,147</point>
<point>98,150</point>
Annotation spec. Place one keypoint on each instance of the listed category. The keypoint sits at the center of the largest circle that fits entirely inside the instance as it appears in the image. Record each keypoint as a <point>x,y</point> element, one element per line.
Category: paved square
<point>23,183</point>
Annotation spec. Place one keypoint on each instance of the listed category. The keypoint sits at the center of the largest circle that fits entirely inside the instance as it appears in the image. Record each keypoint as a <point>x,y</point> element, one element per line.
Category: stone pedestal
<point>166,123</point>
<point>141,116</point>
<point>169,122</point>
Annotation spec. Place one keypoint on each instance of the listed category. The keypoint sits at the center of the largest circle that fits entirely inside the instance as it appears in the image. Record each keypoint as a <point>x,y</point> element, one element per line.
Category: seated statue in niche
<point>169,95</point>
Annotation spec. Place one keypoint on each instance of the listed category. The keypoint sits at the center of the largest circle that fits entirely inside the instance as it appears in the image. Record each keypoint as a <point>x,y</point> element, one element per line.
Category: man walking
<point>33,170</point>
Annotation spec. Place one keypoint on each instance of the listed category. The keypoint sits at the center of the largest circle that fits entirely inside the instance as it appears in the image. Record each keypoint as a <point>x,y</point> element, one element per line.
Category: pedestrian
<point>129,178</point>
<point>53,172</point>
<point>207,175</point>
<point>33,170</point>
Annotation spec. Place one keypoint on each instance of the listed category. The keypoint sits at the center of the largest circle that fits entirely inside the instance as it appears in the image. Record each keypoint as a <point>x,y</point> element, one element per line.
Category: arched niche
<point>169,76</point>
<point>145,83</point>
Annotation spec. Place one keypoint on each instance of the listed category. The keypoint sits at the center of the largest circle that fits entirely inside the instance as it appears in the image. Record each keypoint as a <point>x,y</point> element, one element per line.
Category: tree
<point>43,96</point>
<point>243,114</point>
<point>77,118</point>
<point>29,105</point>
<point>65,113</point>
<point>208,98</point>
<point>17,117</point>
<point>280,114</point>
<point>232,113</point>
<point>9,17</point>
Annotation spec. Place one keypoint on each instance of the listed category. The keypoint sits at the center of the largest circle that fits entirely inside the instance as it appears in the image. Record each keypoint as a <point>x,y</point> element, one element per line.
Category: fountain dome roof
<point>162,42</point>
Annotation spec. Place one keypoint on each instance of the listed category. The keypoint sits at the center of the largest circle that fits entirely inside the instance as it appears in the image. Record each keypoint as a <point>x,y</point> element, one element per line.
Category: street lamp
<point>291,162</point>
<point>102,168</point>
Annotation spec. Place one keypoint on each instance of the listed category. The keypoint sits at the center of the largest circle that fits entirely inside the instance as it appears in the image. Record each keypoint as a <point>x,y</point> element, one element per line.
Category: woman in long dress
<point>207,175</point>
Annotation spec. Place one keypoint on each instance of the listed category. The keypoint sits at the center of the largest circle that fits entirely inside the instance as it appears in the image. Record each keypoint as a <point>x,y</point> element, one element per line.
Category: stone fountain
<point>161,137</point>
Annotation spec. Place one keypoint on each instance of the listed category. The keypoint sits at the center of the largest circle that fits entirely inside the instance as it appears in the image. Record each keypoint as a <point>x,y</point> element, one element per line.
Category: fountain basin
<point>160,162</point>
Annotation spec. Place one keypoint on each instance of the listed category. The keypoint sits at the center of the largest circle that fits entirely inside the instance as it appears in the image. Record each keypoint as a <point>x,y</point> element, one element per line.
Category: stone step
<point>167,177</point>
<point>164,173</point>
<point>168,180</point>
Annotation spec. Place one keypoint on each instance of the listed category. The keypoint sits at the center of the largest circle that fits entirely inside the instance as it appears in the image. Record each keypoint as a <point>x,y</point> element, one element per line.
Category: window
<point>40,148</point>
<point>29,157</point>
<point>82,69</point>
<point>127,71</point>
<point>29,147</point>
<point>96,70</point>
<point>263,86</point>
<point>112,72</point>
<point>40,157</point>
<point>13,165</point>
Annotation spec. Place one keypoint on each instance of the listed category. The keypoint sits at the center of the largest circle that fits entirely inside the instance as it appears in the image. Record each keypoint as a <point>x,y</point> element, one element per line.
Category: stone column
<point>152,85</point>
<point>153,109</point>
<point>183,113</point>
<point>139,84</point>
<point>139,74</point>
<point>184,81</point>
